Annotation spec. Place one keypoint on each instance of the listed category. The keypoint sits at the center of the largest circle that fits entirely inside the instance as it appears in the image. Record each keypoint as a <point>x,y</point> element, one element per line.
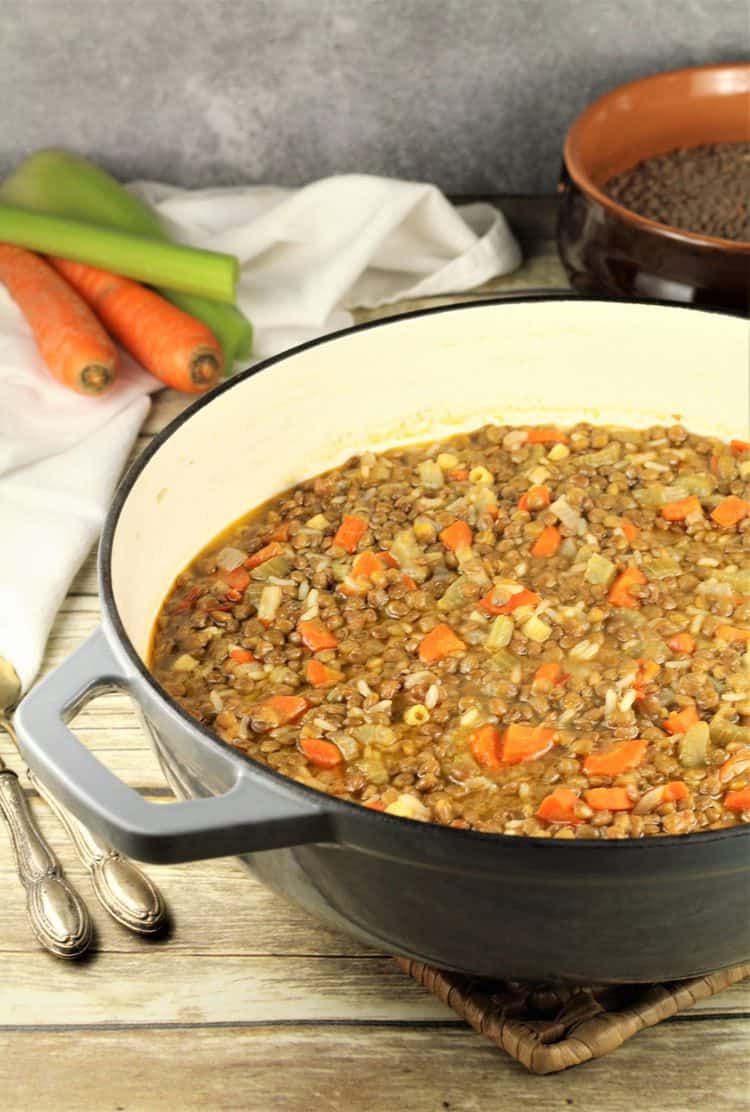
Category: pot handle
<point>247,818</point>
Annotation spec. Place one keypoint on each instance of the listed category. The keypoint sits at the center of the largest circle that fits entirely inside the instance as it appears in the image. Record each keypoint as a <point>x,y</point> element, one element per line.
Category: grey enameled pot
<point>532,908</point>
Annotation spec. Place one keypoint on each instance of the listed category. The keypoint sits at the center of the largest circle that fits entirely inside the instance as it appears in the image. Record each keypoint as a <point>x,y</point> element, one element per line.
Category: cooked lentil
<point>352,636</point>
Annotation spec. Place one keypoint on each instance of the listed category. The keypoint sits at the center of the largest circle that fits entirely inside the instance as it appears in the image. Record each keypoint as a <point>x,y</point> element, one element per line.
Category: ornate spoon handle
<point>58,916</point>
<point>120,886</point>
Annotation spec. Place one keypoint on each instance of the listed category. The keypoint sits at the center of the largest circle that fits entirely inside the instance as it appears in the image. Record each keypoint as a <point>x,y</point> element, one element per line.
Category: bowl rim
<point>586,185</point>
<point>436,834</point>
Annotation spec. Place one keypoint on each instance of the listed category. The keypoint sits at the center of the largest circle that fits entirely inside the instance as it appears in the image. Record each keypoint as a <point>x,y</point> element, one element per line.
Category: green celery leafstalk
<point>191,269</point>
<point>63,184</point>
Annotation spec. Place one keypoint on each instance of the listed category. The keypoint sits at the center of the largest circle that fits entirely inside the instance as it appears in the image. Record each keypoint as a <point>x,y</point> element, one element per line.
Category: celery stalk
<point>63,184</point>
<point>191,269</point>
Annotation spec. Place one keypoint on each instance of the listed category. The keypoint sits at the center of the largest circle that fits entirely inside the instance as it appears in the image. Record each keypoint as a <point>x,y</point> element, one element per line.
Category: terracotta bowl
<point>607,248</point>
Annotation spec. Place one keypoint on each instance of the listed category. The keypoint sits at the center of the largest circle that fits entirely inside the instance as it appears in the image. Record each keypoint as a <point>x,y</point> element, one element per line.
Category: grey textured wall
<point>472,94</point>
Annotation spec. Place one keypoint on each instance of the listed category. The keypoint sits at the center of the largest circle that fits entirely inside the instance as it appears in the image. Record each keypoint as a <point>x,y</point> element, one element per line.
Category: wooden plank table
<point>251,1005</point>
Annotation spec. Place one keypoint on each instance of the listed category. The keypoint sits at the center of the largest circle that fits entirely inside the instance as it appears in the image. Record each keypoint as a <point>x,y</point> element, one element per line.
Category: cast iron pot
<point>627,911</point>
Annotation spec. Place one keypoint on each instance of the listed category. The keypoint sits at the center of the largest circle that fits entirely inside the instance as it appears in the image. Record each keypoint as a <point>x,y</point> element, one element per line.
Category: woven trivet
<point>548,1029</point>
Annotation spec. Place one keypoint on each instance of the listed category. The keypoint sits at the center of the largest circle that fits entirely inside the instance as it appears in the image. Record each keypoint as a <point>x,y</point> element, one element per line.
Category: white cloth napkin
<point>308,256</point>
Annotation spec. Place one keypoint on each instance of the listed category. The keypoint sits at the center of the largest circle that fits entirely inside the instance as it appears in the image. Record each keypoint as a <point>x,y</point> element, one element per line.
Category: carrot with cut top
<point>279,710</point>
<point>267,552</point>
<point>319,752</point>
<point>679,722</point>
<point>730,511</point>
<point>505,597</point>
<point>682,508</point>
<point>537,497</point>
<point>315,636</point>
<point>545,436</point>
<point>608,799</point>
<point>525,743</point>
<point>622,757</point>
<point>241,656</point>
<point>619,593</point>
<point>350,532</point>
<point>180,350</point>
<point>439,643</point>
<point>71,341</point>
<point>682,643</point>
<point>630,530</point>
<point>486,745</point>
<point>733,634</point>
<point>738,801</point>
<point>735,765</point>
<point>559,806</point>
<point>549,674</point>
<point>322,675</point>
<point>457,535</point>
<point>547,543</point>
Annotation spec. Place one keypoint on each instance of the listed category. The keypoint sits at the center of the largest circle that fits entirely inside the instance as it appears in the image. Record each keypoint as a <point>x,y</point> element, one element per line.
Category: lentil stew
<point>524,631</point>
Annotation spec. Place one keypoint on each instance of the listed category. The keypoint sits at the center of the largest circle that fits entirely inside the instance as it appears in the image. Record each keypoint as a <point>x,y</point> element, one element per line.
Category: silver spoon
<point>123,890</point>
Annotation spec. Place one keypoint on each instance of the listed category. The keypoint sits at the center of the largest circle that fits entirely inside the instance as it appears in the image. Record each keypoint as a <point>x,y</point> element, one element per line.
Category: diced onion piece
<point>270,600</point>
<point>558,452</point>
<point>501,632</point>
<point>693,746</point>
<point>536,629</point>
<point>185,663</point>
<point>599,570</point>
<point>431,474</point>
<point>318,522</point>
<point>569,517</point>
<point>230,558</point>
<point>408,807</point>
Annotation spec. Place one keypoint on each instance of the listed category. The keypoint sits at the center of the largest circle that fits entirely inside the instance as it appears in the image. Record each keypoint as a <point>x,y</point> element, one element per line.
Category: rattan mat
<point>548,1029</point>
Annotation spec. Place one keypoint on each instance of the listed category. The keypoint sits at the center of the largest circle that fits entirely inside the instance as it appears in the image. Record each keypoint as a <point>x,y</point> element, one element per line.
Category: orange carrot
<point>459,474</point>
<point>350,532</point>
<point>733,634</point>
<point>647,671</point>
<point>374,805</point>
<point>548,542</point>
<point>676,790</point>
<point>439,643</point>
<point>621,757</point>
<point>322,675</point>
<point>322,753</point>
<point>267,552</point>
<point>237,578</point>
<point>549,674</point>
<point>630,530</point>
<point>738,801</point>
<point>682,643</point>
<point>71,341</point>
<point>388,559</point>
<point>366,565</point>
<point>682,508</point>
<point>730,511</point>
<point>535,498</point>
<point>280,710</point>
<point>608,799</point>
<point>545,436</point>
<point>524,743</point>
<point>315,636</point>
<point>411,585</point>
<point>177,348</point>
<point>679,722</point>
<point>559,806</point>
<point>739,446</point>
<point>735,765</point>
<point>188,599</point>
<point>485,746</point>
<point>457,535</point>
<point>499,600</point>
<point>281,532</point>
<point>619,593</point>
<point>242,656</point>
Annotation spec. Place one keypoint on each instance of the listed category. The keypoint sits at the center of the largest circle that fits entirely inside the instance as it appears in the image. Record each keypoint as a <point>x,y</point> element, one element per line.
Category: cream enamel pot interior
<point>534,908</point>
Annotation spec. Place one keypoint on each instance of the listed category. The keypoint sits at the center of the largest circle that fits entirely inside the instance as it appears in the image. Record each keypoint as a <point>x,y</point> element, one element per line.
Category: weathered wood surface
<point>250,1004</point>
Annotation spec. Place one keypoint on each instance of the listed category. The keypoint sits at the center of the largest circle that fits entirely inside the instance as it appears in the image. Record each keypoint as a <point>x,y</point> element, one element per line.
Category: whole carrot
<point>178,349</point>
<point>71,341</point>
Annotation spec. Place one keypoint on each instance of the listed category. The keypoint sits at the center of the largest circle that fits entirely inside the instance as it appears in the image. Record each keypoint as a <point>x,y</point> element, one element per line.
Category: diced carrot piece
<point>439,643</point>
<point>242,656</point>
<point>739,446</point>
<point>524,743</point>
<point>319,752</point>
<point>730,511</point>
<point>267,552</point>
<point>457,535</point>
<point>733,634</point>
<point>280,710</point>
<point>619,593</point>
<point>647,671</point>
<point>281,532</point>
<point>738,801</point>
<point>486,746</point>
<point>350,532</point>
<point>498,600</point>
<point>622,757</point>
<point>682,643</point>
<point>548,542</point>
<point>412,586</point>
<point>735,765</point>
<point>682,508</point>
<point>374,805</point>
<point>545,436</point>
<point>315,636</point>
<point>559,806</point>
<point>608,799</point>
<point>322,675</point>
<point>675,790</point>
<point>459,474</point>
<point>366,565</point>
<point>536,498</point>
<point>549,674</point>
<point>187,601</point>
<point>630,530</point>
<point>679,722</point>
<point>388,559</point>
<point>237,579</point>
